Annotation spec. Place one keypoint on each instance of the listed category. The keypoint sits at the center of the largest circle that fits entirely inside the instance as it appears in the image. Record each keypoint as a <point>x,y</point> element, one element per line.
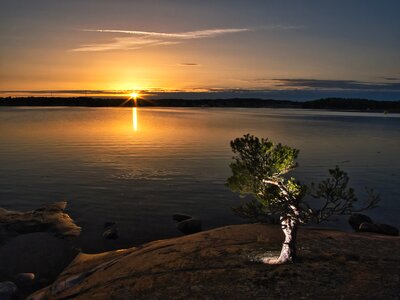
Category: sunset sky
<point>279,49</point>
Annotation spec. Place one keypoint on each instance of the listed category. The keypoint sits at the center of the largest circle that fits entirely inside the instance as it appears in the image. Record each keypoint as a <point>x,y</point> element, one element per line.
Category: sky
<point>201,49</point>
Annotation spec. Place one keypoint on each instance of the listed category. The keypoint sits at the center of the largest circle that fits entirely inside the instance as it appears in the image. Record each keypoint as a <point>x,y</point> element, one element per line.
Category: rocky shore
<point>35,247</point>
<point>222,263</point>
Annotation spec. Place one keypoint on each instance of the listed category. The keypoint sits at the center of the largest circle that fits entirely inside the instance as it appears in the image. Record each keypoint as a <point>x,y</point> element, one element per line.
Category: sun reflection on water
<point>134,119</point>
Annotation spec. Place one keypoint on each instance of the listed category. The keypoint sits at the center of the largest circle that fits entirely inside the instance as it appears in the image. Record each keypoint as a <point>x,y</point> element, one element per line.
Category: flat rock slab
<point>223,264</point>
<point>50,218</point>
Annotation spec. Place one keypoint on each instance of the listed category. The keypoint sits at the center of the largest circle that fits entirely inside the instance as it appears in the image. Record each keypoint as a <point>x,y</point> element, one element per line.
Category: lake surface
<point>138,167</point>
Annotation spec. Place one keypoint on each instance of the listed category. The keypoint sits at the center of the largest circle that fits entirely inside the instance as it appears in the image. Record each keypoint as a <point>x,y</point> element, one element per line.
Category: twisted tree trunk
<point>288,252</point>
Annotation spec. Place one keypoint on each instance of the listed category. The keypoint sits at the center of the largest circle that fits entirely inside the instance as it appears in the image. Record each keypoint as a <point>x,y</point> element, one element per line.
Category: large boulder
<point>369,227</point>
<point>379,228</point>
<point>388,229</point>
<point>355,220</point>
<point>190,226</point>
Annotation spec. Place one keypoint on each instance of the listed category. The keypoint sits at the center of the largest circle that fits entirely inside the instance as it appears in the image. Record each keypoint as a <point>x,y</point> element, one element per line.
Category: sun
<point>134,95</point>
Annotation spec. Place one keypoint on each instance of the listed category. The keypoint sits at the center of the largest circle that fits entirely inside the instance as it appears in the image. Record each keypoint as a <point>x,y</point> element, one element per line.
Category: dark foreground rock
<point>39,253</point>
<point>363,223</point>
<point>224,264</point>
<point>8,290</point>
<point>35,246</point>
<point>379,228</point>
<point>369,227</point>
<point>388,229</point>
<point>355,220</point>
<point>109,224</point>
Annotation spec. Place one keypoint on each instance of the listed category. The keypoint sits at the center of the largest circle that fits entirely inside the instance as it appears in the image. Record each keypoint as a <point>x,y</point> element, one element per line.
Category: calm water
<point>138,168</point>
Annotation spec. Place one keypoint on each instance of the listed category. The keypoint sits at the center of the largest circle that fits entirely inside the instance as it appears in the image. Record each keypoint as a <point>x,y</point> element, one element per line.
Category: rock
<point>181,217</point>
<point>355,220</point>
<point>56,207</point>
<point>8,290</point>
<point>49,218</point>
<point>218,264</point>
<point>379,228</point>
<point>25,279</point>
<point>111,233</point>
<point>189,226</point>
<point>369,227</point>
<point>388,229</point>
<point>39,253</point>
<point>109,224</point>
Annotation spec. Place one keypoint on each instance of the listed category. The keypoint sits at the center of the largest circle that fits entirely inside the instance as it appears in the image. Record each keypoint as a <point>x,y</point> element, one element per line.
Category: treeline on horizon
<point>327,103</point>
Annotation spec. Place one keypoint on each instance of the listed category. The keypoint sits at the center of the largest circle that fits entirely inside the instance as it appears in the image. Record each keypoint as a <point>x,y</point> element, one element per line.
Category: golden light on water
<point>134,119</point>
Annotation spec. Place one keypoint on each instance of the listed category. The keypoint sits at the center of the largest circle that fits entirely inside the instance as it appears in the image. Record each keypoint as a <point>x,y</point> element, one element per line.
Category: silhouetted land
<point>328,103</point>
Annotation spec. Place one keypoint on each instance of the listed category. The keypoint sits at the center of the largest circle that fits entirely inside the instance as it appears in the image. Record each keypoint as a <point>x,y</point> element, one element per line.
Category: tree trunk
<point>288,252</point>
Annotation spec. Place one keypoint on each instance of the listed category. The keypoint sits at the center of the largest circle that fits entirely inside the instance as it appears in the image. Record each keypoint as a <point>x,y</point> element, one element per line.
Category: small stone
<point>355,220</point>
<point>25,279</point>
<point>181,217</point>
<point>111,233</point>
<point>8,290</point>
<point>190,226</point>
<point>109,224</point>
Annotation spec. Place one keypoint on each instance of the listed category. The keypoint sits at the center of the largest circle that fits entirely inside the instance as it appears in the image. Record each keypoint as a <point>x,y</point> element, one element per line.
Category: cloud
<point>189,65</point>
<point>391,78</point>
<point>117,43</point>
<point>139,39</point>
<point>182,35</point>
<point>123,43</point>
<point>333,84</point>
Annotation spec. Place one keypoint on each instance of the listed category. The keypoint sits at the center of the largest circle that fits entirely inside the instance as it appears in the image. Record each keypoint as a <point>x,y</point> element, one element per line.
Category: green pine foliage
<point>260,169</point>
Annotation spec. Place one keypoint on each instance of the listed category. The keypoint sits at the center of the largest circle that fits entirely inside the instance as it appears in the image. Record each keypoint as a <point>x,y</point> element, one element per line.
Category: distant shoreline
<point>327,103</point>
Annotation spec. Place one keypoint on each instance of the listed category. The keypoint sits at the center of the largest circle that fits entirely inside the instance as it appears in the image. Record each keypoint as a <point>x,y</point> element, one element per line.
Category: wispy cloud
<point>138,39</point>
<point>391,78</point>
<point>188,65</point>
<point>334,84</point>
<point>124,43</point>
<point>182,35</point>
